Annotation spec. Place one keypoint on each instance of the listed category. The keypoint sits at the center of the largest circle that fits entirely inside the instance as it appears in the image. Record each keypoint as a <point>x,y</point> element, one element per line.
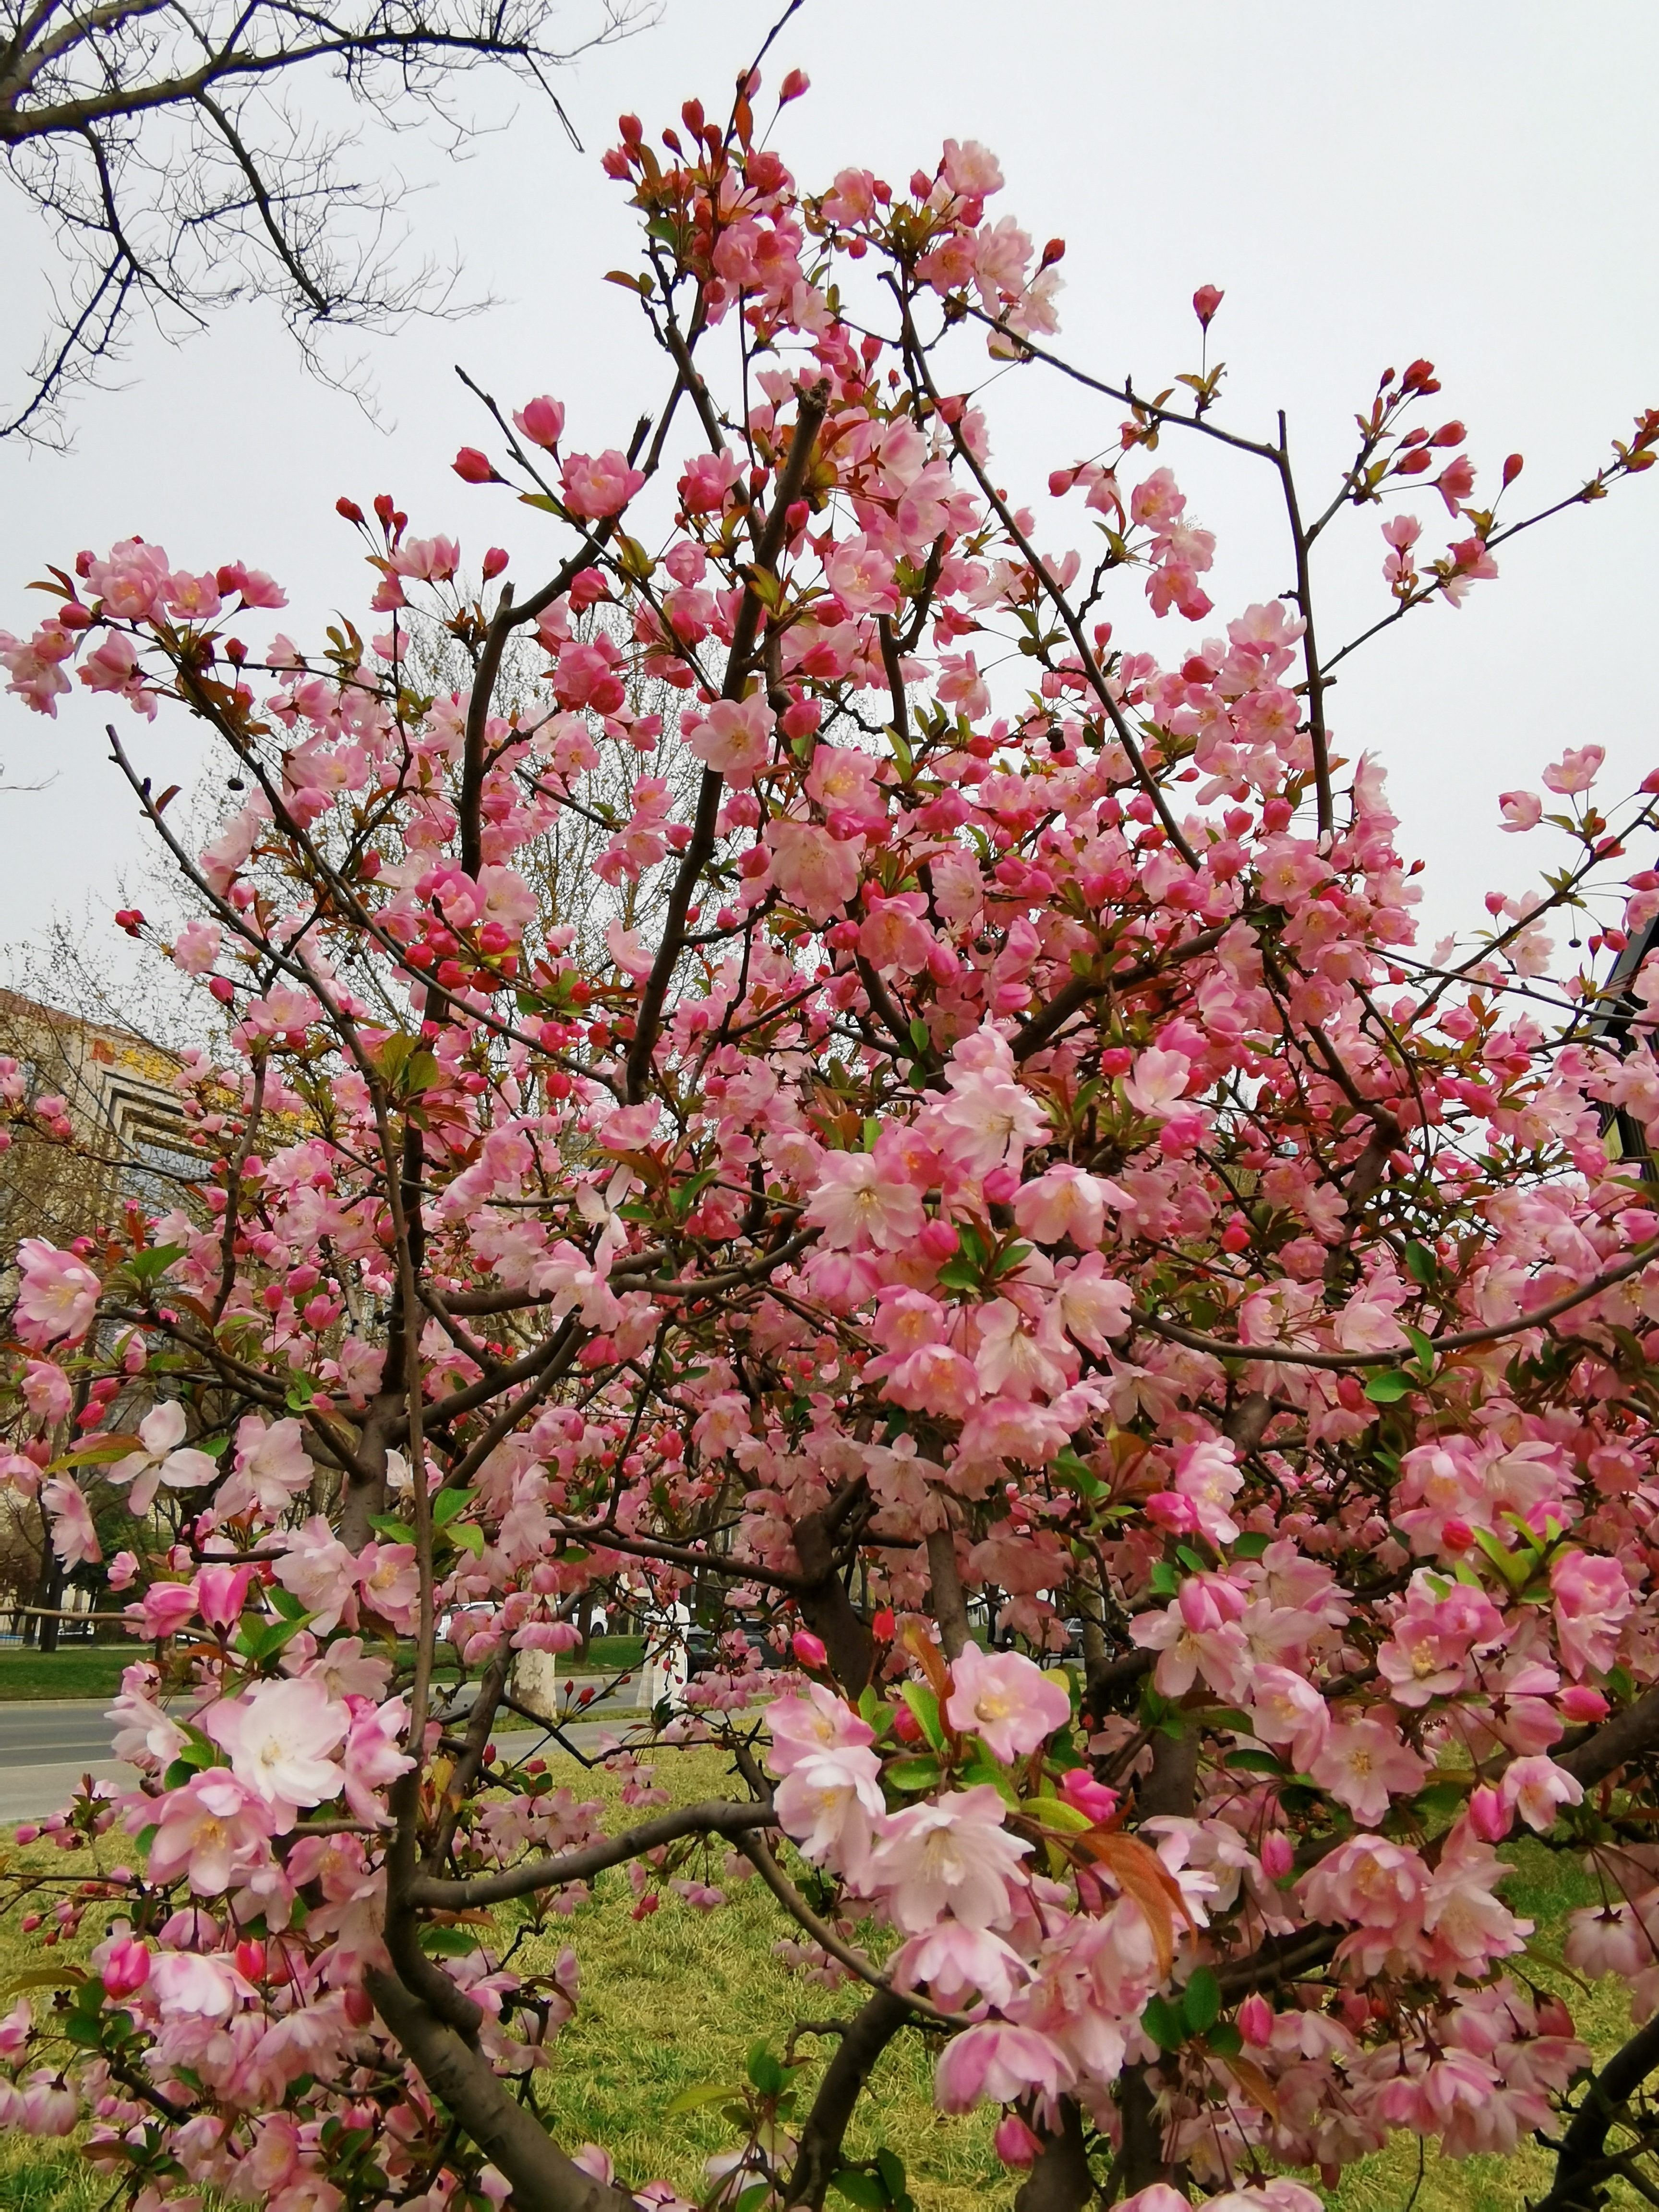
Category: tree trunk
<point>1060,2180</point>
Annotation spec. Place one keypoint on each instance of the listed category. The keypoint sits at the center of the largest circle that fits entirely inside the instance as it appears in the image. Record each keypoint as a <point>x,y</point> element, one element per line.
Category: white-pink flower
<point>1206,1475</point>
<point>321,1572</point>
<point>1365,1763</point>
<point>828,1804</point>
<point>951,1855</point>
<point>1536,1787</point>
<point>858,1202</point>
<point>1006,1699</point>
<point>161,1432</point>
<point>271,1468</point>
<point>804,1725</point>
<point>57,1296</point>
<point>206,1828</point>
<point>1158,1082</point>
<point>736,738</point>
<point>186,1982</point>
<point>73,1536</point>
<point>279,1737</point>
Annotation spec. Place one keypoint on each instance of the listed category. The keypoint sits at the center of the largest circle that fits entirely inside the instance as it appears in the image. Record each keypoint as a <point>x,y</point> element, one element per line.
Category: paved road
<point>46,1748</point>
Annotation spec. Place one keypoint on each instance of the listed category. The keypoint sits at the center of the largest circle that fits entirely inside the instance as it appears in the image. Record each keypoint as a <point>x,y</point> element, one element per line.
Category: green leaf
<point>703,2093</point>
<point>1389,1388</point>
<point>1164,2024</point>
<point>1440,1798</point>
<point>1251,1545</point>
<point>925,1705</point>
<point>1249,1761</point>
<point>911,1776</point>
<point>1201,2000</point>
<point>146,1266</point>
<point>1165,1582</point>
<point>447,1504</point>
<point>765,2071</point>
<point>1422,1345</point>
<point>683,1195</point>
<point>858,2188</point>
<point>1420,1263</point>
<point>960,1273</point>
<point>1224,2039</point>
<point>449,1942</point>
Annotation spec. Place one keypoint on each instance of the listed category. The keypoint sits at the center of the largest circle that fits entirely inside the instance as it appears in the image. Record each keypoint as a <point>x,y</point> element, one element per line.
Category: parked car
<point>704,1654</point>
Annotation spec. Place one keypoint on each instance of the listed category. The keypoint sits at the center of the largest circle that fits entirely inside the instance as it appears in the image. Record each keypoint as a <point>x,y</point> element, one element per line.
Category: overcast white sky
<point>1472,181</point>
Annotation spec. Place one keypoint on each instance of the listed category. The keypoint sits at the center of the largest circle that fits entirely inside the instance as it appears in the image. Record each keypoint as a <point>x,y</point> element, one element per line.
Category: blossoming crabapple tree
<point>1034,1174</point>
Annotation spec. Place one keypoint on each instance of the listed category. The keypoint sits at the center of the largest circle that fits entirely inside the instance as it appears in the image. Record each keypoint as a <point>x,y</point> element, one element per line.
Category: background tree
<point>182,160</point>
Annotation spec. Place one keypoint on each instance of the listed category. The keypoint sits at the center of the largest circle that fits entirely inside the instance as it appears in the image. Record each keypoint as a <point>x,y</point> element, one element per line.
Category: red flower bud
<point>1205,301</point>
<point>474,467</point>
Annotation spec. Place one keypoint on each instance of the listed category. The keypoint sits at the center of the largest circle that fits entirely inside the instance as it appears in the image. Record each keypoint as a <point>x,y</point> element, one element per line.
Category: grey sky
<point>1469,182</point>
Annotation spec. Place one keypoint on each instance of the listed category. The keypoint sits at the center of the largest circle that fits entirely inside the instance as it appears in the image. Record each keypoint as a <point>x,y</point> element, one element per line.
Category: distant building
<point>129,1140</point>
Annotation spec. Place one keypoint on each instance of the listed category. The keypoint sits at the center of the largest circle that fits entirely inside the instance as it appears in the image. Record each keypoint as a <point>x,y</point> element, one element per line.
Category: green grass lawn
<point>94,1670</point>
<point>80,1670</point>
<point>676,2001</point>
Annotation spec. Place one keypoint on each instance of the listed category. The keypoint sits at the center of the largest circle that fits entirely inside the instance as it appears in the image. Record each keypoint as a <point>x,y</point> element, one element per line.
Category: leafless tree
<point>176,154</point>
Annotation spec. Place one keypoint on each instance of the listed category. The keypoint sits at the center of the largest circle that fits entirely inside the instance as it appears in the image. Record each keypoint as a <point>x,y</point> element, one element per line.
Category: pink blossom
<point>125,1965</point>
<point>74,1538</point>
<point>1207,1475</point>
<point>988,1119</point>
<point>953,1856</point>
<point>707,478</point>
<point>814,870</point>
<point>57,1296</point>
<point>186,1982</point>
<point>1521,810</point>
<point>804,1725</point>
<point>1537,1788</point>
<point>1158,1082</point>
<point>1592,1600</point>
<point>1005,1700</point>
<point>389,1580</point>
<point>856,1202</point>
<point>196,947</point>
<point>999,2062</point>
<point>161,1432</point>
<point>861,573</point>
<point>970,170</point>
<point>601,485</point>
<point>322,1574</point>
<point>373,1757</point>
<point>1576,768</point>
<point>1065,1201</point>
<point>830,1803</point>
<point>208,1828</point>
<point>271,1468</point>
<point>46,1391</point>
<point>279,1737</point>
<point>221,1592</point>
<point>541,421</point>
<point>1090,1305</point>
<point>1363,1764</point>
<point>736,738</point>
